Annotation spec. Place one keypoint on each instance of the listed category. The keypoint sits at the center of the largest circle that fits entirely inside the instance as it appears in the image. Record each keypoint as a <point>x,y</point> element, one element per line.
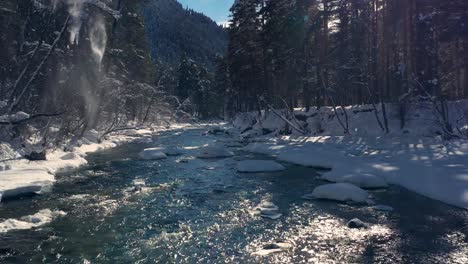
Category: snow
<point>415,157</point>
<point>214,151</point>
<point>20,181</point>
<point>152,154</point>
<point>259,166</point>
<point>339,192</point>
<point>354,176</point>
<point>169,151</point>
<point>14,117</point>
<point>31,221</point>
<point>268,210</point>
<point>310,158</point>
<point>25,177</point>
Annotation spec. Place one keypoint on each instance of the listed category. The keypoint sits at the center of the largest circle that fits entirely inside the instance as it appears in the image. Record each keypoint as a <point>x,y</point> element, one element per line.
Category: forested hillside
<point>69,66</point>
<point>174,31</point>
<point>307,53</point>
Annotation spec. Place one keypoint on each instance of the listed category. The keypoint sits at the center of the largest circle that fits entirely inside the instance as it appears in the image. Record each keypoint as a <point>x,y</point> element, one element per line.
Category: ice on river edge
<point>25,177</point>
<point>252,166</point>
<point>40,218</point>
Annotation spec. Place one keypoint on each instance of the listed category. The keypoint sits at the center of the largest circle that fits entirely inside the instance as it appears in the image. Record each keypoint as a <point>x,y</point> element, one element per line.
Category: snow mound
<point>214,151</point>
<point>138,183</point>
<point>27,222</point>
<point>70,156</point>
<point>152,154</point>
<point>339,192</point>
<point>244,121</point>
<point>259,166</point>
<point>363,180</point>
<point>24,181</point>
<point>357,223</point>
<point>314,159</point>
<point>171,151</point>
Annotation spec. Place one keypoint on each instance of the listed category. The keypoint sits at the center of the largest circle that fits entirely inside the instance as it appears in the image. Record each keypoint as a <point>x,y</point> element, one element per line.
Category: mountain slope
<point>174,31</point>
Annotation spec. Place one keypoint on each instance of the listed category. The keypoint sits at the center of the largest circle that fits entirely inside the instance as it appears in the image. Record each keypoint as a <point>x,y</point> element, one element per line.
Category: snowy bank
<point>415,157</point>
<point>26,177</point>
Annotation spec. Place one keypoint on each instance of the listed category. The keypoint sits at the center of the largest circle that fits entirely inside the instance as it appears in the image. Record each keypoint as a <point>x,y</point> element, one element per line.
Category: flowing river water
<point>202,211</point>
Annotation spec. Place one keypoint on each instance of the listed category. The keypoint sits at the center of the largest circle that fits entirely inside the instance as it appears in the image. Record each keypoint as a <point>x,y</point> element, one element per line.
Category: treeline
<point>303,53</point>
<point>76,66</point>
<point>174,31</point>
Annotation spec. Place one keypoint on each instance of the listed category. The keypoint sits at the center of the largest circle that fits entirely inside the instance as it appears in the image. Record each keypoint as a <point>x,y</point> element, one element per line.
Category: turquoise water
<point>201,212</point>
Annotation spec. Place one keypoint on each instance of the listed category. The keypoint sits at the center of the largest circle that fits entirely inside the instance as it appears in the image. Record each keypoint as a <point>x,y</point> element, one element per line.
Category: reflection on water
<point>200,211</point>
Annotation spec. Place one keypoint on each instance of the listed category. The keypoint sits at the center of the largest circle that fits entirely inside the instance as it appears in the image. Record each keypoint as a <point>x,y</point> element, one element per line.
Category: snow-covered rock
<point>152,154</point>
<point>27,222</point>
<point>244,121</point>
<point>24,181</point>
<point>70,156</point>
<point>259,166</point>
<point>339,192</point>
<point>139,183</point>
<point>214,151</point>
<point>361,179</point>
<point>268,210</point>
<point>172,151</point>
<point>357,223</point>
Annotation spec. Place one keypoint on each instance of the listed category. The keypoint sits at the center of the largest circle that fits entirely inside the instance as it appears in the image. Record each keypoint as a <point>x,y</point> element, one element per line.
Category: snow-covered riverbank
<point>413,157</point>
<point>20,176</point>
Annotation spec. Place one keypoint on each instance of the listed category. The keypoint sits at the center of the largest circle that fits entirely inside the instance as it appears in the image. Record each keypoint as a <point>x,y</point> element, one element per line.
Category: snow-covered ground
<point>414,157</point>
<point>20,176</point>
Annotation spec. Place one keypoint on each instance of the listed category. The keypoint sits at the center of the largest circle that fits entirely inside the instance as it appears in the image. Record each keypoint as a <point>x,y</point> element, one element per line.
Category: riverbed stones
<point>275,247</point>
<point>357,223</point>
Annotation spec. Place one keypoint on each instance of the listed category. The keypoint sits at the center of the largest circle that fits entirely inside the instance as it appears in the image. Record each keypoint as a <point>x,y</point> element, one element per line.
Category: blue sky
<point>218,10</point>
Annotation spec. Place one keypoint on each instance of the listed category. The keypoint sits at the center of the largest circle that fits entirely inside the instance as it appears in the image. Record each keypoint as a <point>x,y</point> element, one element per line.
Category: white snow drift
<point>357,177</point>
<point>340,192</point>
<point>259,166</point>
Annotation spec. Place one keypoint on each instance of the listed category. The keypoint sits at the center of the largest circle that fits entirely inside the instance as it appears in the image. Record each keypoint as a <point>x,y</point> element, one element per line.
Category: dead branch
<point>270,107</point>
<point>18,122</point>
<point>345,127</point>
<point>39,67</point>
